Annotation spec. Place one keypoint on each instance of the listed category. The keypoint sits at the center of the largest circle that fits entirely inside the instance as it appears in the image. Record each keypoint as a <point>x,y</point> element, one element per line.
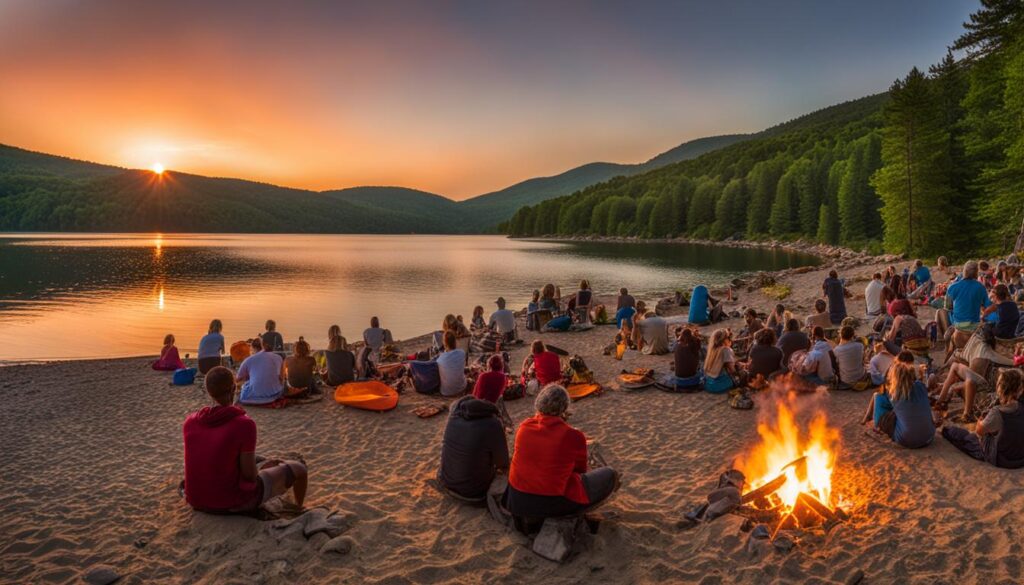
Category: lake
<point>73,296</point>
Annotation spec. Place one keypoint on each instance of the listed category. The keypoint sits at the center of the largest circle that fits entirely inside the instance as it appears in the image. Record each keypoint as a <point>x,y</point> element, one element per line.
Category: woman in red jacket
<point>548,476</point>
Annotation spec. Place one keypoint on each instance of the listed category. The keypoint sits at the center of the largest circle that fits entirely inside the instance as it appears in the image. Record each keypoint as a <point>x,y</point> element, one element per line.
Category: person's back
<point>873,297</point>
<point>968,297</point>
<point>686,360</point>
<point>272,341</point>
<point>490,385</point>
<point>850,359</point>
<point>819,358</point>
<point>654,331</point>
<point>214,438</point>
<point>548,367</point>
<point>764,360</point>
<point>261,374</point>
<point>836,295</point>
<point>914,425</point>
<point>341,365</point>
<point>473,448</point>
<point>1008,318</point>
<point>624,314</point>
<point>211,345</point>
<point>375,337</point>
<point>1005,446</point>
<point>451,367</point>
<point>793,341</point>
<point>548,458</point>
<point>300,370</point>
<point>625,300</point>
<point>503,321</point>
<point>698,313</point>
<point>879,366</point>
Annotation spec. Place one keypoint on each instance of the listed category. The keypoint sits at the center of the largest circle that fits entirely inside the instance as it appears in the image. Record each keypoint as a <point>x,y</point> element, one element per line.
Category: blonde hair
<point>715,347</point>
<point>450,323</point>
<point>335,341</point>
<point>900,380</point>
<point>584,284</point>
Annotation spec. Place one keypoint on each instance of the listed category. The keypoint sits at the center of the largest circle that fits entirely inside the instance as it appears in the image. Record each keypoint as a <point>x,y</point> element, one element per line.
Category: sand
<point>92,457</point>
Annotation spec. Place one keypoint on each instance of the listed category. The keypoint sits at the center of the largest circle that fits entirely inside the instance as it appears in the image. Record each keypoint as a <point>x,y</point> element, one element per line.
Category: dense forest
<point>934,166</point>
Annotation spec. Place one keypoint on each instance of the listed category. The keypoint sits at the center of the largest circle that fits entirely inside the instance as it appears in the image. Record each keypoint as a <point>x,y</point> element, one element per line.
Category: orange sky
<point>457,100</point>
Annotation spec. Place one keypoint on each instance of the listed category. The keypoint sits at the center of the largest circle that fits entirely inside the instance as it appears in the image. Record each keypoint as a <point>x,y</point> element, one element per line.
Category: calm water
<point>112,295</point>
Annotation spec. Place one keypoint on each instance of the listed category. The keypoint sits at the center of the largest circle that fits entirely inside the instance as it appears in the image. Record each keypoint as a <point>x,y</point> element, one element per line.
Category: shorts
<point>265,486</point>
<point>887,424</point>
<point>980,381</point>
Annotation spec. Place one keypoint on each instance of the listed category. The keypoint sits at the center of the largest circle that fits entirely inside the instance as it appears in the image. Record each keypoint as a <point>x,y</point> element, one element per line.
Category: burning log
<point>774,485</point>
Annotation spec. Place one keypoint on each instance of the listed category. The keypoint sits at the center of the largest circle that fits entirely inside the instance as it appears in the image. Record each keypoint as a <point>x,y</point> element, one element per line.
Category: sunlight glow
<point>158,168</point>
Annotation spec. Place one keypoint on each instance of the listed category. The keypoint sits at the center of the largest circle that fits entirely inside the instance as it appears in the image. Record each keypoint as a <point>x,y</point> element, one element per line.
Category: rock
<point>101,575</point>
<point>722,501</point>
<point>783,543</point>
<point>276,569</point>
<point>318,540</point>
<point>316,522</point>
<point>341,545</point>
<point>141,542</point>
<point>555,539</point>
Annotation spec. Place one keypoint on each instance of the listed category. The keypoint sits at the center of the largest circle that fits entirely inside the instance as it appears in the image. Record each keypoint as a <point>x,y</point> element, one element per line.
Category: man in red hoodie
<point>548,476</point>
<point>220,457</point>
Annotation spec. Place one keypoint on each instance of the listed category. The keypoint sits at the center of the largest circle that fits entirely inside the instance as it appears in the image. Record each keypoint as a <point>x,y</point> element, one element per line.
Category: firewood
<point>763,491</point>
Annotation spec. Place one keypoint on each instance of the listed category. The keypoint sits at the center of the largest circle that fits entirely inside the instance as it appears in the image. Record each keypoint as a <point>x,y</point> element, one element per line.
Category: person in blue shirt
<point>704,309</point>
<point>923,284</point>
<point>967,297</point>
<point>902,411</point>
<point>1004,313</point>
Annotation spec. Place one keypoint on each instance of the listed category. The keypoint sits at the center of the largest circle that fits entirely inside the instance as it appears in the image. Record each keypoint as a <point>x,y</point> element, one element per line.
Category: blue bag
<point>426,377</point>
<point>184,377</point>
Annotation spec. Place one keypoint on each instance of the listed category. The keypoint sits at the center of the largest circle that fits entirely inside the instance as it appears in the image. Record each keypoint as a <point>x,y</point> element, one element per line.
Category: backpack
<point>426,377</point>
<point>184,377</point>
<point>562,323</point>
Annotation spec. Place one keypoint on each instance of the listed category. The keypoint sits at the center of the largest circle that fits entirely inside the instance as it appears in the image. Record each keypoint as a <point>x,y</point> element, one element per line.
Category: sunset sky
<point>457,98</point>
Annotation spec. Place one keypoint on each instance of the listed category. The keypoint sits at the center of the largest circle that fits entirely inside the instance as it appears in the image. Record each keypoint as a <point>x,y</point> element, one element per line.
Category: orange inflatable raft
<point>371,395</point>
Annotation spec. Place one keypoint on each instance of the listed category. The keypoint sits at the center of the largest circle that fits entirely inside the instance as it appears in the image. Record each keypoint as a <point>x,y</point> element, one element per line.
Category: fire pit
<point>789,473</point>
<point>784,482</point>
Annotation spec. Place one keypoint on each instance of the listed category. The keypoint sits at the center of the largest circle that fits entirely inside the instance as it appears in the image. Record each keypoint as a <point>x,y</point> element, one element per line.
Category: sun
<point>157,168</point>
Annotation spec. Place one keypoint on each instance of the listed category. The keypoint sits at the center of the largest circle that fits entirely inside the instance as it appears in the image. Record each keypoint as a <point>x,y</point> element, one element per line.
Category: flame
<point>784,441</point>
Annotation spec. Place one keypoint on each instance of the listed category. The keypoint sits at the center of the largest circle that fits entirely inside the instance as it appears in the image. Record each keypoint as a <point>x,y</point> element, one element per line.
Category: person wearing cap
<point>503,321</point>
<point>549,475</point>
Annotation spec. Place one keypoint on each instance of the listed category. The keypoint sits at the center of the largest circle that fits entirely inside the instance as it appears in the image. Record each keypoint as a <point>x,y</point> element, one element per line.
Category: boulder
<point>101,575</point>
<point>556,537</point>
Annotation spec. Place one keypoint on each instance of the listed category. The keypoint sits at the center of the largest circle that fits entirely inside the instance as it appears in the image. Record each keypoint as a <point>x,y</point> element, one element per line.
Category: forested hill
<point>41,192</point>
<point>934,166</point>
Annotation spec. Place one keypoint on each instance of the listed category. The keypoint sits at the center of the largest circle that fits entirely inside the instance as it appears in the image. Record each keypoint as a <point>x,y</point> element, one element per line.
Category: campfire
<point>789,473</point>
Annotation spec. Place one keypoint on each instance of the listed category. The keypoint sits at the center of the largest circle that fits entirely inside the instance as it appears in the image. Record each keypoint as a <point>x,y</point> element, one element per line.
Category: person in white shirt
<point>880,363</point>
<point>503,321</point>
<point>874,304</point>
<point>451,367</point>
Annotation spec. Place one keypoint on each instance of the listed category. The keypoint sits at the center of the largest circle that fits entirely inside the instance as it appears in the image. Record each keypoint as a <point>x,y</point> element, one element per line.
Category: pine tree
<point>662,223</point>
<point>762,182</point>
<point>702,207</point>
<point>783,219</point>
<point>828,225</point>
<point>681,196</point>
<point>914,181</point>
<point>730,212</point>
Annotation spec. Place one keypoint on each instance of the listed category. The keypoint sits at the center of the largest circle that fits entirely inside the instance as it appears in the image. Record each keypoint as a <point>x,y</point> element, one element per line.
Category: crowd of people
<point>551,471</point>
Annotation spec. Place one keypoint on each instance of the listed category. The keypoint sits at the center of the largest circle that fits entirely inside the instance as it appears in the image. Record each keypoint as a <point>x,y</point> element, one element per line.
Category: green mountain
<point>42,192</point>
<point>495,207</point>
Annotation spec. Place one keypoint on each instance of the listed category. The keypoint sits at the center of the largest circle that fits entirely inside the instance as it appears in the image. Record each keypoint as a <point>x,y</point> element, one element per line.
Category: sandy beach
<point>93,457</point>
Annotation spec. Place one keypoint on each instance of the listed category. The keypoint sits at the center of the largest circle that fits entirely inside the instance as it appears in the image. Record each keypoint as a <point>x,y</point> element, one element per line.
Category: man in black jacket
<point>473,449</point>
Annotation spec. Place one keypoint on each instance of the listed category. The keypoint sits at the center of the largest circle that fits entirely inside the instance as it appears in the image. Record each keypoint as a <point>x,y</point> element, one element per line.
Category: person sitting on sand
<point>906,332</point>
<point>376,337</point>
<point>221,473</point>
<point>901,411</point>
<point>777,319</point>
<point>849,356</point>
<point>817,366</point>
<point>624,299</point>
<point>262,376</point>
<point>541,367</point>
<point>873,302</point>
<point>503,321</point>
<point>835,292</point>
<point>549,475</point>
<point>531,312</point>
<point>751,325</point>
<point>966,298</point>
<point>1006,310</point>
<point>211,346</point>
<point>820,318</point>
<point>720,371</point>
<point>478,325</point>
<point>451,367</point>
<point>490,385</point>
<point>272,340</point>
<point>548,300</point>
<point>169,360</point>
<point>704,310</point>
<point>300,367</point>
<point>792,339</point>
<point>686,361</point>
<point>764,360</point>
<point>650,334</point>
<point>584,302</point>
<point>966,381</point>
<point>878,367</point>
<point>473,449</point>
<point>896,288</point>
<point>341,363</point>
<point>922,281</point>
<point>625,314</point>
<point>998,438</point>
